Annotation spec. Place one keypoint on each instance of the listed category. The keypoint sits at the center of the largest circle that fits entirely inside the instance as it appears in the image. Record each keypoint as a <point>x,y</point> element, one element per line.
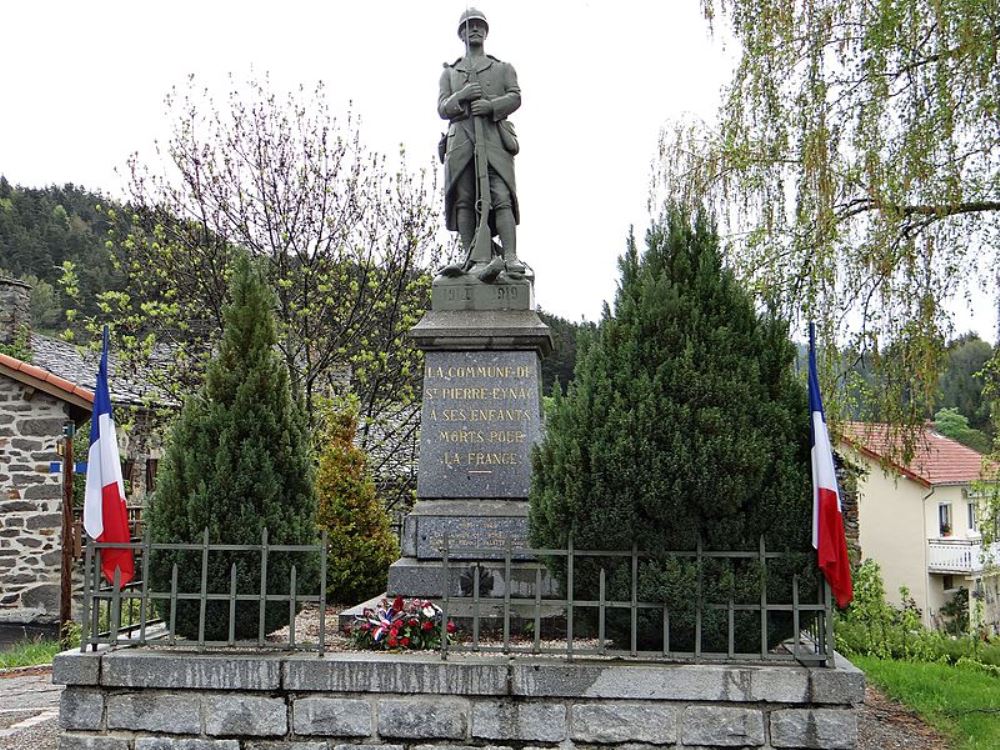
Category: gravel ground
<point>28,709</point>
<point>885,724</point>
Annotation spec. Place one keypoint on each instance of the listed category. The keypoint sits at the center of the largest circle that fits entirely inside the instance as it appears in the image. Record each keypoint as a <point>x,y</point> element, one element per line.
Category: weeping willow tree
<point>854,173</point>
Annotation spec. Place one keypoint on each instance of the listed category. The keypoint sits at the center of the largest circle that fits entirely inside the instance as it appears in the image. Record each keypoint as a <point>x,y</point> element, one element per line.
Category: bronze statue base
<point>501,289</point>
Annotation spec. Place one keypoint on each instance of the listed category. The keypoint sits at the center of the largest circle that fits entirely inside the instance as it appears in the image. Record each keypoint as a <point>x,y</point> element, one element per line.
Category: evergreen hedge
<point>684,419</point>
<point>237,461</point>
<point>361,543</point>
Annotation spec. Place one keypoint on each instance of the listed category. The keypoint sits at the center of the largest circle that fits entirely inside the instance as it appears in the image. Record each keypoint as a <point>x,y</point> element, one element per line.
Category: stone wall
<point>15,309</point>
<point>31,423</point>
<point>136,699</point>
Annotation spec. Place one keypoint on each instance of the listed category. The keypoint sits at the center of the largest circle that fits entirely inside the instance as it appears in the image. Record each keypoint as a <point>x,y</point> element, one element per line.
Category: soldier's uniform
<point>499,84</point>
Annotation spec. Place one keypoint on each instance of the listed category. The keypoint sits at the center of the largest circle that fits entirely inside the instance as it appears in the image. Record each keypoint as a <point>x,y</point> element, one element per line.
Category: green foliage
<point>343,240</point>
<point>361,543</point>
<point>871,627</point>
<point>29,653</point>
<point>961,386</point>
<point>20,347</point>
<point>558,366</point>
<point>42,228</point>
<point>854,165</point>
<point>959,700</point>
<point>956,612</point>
<point>238,461</point>
<point>956,426</point>
<point>684,420</point>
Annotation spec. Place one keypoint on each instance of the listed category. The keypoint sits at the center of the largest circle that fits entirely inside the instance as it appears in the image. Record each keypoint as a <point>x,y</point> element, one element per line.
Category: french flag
<point>104,516</point>
<point>828,522</point>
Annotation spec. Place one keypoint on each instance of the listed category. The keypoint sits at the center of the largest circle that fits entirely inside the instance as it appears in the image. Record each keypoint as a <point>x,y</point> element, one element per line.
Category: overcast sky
<point>84,86</point>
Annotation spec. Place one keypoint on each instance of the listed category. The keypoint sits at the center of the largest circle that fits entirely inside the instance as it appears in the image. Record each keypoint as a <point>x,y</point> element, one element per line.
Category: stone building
<point>40,395</point>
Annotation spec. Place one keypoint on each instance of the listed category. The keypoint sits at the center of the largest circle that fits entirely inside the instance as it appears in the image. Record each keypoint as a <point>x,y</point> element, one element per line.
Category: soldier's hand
<point>482,108</point>
<point>470,92</point>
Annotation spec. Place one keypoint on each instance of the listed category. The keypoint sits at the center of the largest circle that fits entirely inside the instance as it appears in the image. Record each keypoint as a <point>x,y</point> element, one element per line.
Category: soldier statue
<point>477,93</point>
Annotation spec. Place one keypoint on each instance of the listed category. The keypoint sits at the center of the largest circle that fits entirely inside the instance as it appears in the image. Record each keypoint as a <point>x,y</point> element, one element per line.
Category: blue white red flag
<point>828,538</point>
<point>105,518</point>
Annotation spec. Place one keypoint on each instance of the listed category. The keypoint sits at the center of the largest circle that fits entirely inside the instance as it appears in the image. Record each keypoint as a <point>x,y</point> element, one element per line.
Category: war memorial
<point>465,545</point>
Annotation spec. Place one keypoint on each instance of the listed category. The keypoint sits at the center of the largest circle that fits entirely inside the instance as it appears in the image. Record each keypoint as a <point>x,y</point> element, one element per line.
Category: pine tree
<point>361,544</point>
<point>238,461</point>
<point>684,420</point>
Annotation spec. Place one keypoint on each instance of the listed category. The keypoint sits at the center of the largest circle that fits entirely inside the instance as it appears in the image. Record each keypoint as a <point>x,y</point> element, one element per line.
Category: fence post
<point>263,587</point>
<point>634,607</point>
<point>143,602</point>
<point>173,604</point>
<point>795,615</point>
<point>291,609</point>
<point>232,604</point>
<point>203,603</point>
<point>506,595</point>
<point>446,583</point>
<point>85,631</point>
<point>322,595</point>
<point>569,596</point>
<point>831,644</point>
<point>114,617</point>
<point>763,598</point>
<point>699,563</point>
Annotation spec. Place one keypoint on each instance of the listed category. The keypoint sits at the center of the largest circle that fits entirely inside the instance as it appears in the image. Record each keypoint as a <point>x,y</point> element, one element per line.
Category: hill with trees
<point>43,229</point>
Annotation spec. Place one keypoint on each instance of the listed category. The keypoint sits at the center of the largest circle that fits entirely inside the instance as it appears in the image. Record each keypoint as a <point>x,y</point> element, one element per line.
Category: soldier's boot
<point>507,229</point>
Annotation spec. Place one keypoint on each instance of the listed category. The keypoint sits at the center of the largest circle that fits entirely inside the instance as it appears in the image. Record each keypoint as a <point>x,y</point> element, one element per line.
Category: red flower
<point>397,604</point>
<point>451,626</point>
<point>413,622</point>
<point>405,641</point>
<point>365,626</point>
<point>392,641</point>
<point>428,625</point>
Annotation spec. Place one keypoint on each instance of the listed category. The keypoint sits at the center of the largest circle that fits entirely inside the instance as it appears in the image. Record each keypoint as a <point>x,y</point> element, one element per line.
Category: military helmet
<point>469,15</point>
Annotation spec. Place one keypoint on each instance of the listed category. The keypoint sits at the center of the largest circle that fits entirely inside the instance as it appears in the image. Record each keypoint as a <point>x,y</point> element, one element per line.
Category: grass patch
<point>956,700</point>
<point>29,653</point>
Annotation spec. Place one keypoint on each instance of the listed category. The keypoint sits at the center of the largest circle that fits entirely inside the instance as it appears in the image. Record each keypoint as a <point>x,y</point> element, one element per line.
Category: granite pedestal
<point>482,413</point>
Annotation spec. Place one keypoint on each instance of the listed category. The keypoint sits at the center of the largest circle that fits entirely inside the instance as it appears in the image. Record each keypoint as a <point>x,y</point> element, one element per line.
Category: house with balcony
<point>920,520</point>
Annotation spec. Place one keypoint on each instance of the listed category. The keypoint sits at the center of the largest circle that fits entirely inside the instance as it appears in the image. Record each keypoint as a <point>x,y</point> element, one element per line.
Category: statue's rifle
<point>481,250</point>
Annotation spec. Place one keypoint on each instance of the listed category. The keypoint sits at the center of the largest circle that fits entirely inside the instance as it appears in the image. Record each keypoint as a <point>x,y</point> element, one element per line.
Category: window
<point>948,582</point>
<point>944,519</point>
<point>973,525</point>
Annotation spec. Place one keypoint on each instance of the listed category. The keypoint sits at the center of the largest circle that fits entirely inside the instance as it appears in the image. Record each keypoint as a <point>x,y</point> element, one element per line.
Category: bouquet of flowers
<point>413,624</point>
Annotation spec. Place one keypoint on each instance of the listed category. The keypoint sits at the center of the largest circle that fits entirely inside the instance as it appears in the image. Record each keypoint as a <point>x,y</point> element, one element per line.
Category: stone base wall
<point>31,423</point>
<point>149,700</point>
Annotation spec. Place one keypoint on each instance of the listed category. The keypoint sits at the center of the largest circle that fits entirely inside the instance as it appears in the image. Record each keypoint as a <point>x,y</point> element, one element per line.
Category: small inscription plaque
<point>481,415</point>
<point>466,532</point>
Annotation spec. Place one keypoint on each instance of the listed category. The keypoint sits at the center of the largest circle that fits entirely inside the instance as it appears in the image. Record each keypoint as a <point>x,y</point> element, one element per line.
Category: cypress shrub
<point>238,461</point>
<point>684,420</point>
<point>361,544</point>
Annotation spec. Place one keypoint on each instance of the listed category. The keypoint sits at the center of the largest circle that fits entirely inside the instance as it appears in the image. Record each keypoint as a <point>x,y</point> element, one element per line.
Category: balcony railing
<point>961,555</point>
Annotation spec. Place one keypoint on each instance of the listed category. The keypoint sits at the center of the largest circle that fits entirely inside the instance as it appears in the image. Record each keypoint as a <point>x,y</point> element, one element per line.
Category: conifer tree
<point>238,461</point>
<point>684,420</point>
<point>361,544</point>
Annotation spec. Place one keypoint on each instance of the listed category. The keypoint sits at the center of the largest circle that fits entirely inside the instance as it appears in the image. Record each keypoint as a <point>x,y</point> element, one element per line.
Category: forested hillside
<point>43,228</point>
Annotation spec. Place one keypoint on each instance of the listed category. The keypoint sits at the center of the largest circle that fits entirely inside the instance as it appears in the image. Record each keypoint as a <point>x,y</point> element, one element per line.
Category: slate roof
<point>937,460</point>
<point>66,362</point>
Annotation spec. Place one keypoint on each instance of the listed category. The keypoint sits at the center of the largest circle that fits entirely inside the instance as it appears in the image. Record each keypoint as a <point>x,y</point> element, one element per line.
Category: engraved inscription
<point>481,414</point>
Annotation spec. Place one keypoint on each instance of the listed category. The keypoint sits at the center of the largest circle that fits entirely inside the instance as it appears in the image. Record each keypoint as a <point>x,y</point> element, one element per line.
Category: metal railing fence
<point>131,611</point>
<point>809,639</point>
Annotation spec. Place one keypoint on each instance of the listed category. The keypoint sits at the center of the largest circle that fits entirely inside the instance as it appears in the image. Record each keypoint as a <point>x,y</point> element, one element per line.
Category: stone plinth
<point>140,699</point>
<point>467,293</point>
<point>481,415</point>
